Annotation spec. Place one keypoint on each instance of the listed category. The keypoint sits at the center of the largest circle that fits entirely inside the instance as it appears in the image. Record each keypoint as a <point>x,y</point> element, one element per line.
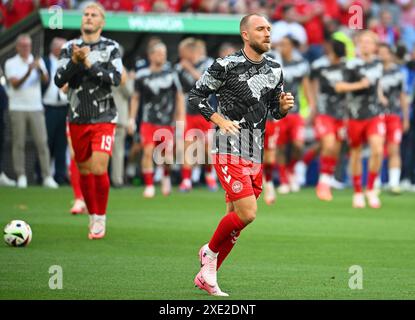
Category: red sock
<point>208,169</point>
<point>166,171</point>
<point>357,184</point>
<point>102,190</point>
<point>87,183</point>
<point>282,168</point>
<point>74,178</point>
<point>309,156</point>
<point>148,178</point>
<point>268,171</point>
<point>327,165</point>
<point>186,173</point>
<point>371,180</point>
<point>226,248</point>
<point>291,165</point>
<point>229,224</point>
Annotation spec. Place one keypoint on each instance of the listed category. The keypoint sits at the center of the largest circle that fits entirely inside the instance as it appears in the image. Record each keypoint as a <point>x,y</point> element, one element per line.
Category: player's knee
<point>248,214</point>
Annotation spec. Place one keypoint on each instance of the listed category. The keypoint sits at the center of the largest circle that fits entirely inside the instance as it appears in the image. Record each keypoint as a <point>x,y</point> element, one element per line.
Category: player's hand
<point>384,101</point>
<point>132,126</point>
<point>286,101</point>
<point>228,126</point>
<point>186,64</point>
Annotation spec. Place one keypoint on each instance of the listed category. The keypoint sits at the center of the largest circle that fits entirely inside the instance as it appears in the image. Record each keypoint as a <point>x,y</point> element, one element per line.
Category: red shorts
<point>394,129</point>
<point>88,138</point>
<point>359,131</point>
<point>291,128</point>
<point>325,125</point>
<point>155,134</point>
<point>271,135</point>
<point>196,122</point>
<point>239,178</point>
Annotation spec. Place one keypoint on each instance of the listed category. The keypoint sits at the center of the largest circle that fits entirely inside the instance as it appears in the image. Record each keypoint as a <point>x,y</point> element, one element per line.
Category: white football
<point>17,233</point>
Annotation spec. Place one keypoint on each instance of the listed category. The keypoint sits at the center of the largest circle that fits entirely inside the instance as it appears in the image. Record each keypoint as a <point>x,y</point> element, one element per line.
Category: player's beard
<point>259,48</point>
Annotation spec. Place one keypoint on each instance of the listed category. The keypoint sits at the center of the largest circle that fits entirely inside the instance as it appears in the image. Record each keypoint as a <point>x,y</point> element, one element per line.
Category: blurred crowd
<point>392,20</point>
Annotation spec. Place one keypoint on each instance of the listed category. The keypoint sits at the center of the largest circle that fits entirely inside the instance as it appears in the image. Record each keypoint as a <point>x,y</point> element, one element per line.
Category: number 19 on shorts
<point>106,143</point>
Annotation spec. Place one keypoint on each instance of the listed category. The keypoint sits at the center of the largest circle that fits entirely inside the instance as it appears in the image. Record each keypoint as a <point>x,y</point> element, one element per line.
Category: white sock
<point>394,177</point>
<point>210,253</point>
<point>325,178</point>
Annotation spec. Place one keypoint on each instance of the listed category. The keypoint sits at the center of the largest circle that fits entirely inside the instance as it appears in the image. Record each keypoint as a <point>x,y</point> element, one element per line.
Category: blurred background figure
<point>122,95</point>
<point>4,179</point>
<point>25,73</point>
<point>56,109</point>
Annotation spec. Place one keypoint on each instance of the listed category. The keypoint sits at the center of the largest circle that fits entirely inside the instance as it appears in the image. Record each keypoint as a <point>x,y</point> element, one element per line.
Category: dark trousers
<point>408,153</point>
<point>56,129</point>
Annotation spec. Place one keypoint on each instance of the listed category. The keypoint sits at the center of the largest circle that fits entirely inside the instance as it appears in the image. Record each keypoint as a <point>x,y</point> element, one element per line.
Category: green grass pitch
<point>299,248</point>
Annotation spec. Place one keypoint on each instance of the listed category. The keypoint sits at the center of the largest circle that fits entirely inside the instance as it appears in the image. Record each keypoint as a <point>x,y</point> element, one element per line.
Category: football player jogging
<point>395,101</point>
<point>249,86</point>
<point>90,65</point>
<point>160,92</point>
<point>291,130</point>
<point>329,123</point>
<point>365,117</point>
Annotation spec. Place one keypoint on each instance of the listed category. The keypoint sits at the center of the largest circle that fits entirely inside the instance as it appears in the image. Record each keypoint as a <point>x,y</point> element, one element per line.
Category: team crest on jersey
<point>237,186</point>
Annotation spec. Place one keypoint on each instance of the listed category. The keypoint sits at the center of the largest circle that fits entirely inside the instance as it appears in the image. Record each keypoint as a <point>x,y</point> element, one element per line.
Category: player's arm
<point>315,89</point>
<point>309,94</point>
<point>345,87</point>
<point>281,102</point>
<point>110,75</point>
<point>134,101</point>
<point>68,65</point>
<point>188,66</point>
<point>210,82</point>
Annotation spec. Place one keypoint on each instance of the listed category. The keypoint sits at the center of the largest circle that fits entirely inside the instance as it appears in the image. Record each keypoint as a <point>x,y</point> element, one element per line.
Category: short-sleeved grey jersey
<point>393,84</point>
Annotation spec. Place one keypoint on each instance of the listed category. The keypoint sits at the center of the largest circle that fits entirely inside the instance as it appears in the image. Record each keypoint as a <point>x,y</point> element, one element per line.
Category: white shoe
<point>79,207</point>
<point>294,186</point>
<point>283,189</point>
<point>359,200</point>
<point>5,181</point>
<point>165,186</point>
<point>97,227</point>
<point>373,199</point>
<point>269,196</point>
<point>22,182</point>
<point>49,182</point>
<point>300,171</point>
<point>335,184</point>
<point>149,192</point>
<point>406,185</point>
<point>208,267</point>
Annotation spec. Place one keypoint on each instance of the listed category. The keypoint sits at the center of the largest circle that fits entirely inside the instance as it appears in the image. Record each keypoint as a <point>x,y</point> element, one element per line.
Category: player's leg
<point>376,145</point>
<point>147,166</point>
<point>296,137</point>
<point>169,159</point>
<point>376,138</point>
<point>79,205</point>
<point>186,183</point>
<point>327,166</point>
<point>210,177</point>
<point>270,159</point>
<point>394,138</point>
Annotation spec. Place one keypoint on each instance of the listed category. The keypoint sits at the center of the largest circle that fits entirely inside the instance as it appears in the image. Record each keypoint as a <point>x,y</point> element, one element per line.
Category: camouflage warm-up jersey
<point>90,94</point>
<point>364,104</point>
<point>246,91</point>
<point>328,101</point>
<point>158,94</point>
<point>393,84</point>
<point>187,81</point>
<point>294,73</point>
